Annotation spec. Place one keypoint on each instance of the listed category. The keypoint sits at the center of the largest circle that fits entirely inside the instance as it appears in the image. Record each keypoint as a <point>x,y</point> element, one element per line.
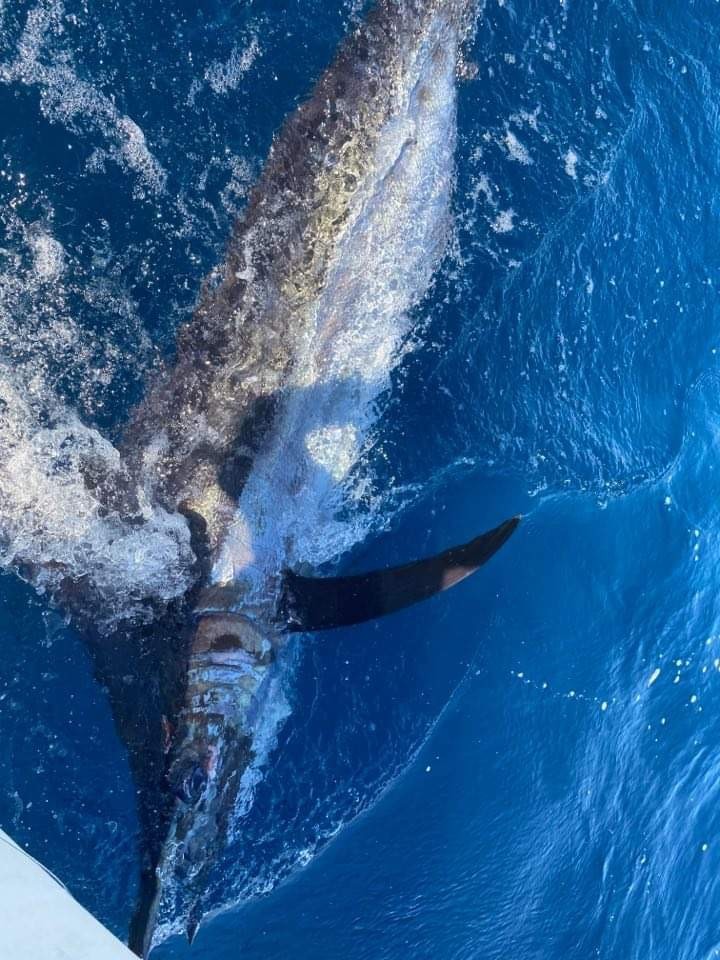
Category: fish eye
<point>198,779</point>
<point>192,785</point>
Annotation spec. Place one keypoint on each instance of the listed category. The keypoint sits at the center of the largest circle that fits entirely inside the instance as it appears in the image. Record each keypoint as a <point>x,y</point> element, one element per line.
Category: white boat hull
<point>39,919</point>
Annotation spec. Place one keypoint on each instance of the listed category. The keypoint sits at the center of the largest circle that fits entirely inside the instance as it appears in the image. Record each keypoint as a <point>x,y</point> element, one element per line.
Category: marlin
<point>284,355</point>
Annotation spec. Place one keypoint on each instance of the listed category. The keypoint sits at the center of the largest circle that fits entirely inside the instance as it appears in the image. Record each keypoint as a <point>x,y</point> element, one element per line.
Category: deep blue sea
<point>529,766</point>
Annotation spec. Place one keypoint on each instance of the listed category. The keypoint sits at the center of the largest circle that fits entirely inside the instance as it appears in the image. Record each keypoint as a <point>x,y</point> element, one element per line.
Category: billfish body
<point>386,104</point>
<point>290,345</point>
<point>340,239</point>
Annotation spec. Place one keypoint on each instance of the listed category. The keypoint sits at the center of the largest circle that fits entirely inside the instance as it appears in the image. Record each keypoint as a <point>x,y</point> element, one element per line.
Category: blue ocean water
<point>528,766</point>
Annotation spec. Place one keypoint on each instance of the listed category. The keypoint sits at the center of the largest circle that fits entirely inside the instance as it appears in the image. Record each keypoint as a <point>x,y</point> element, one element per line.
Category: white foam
<point>527,117</point>
<point>503,222</point>
<point>571,162</point>
<point>515,148</point>
<point>55,530</point>
<point>334,448</point>
<point>224,76</point>
<point>66,98</point>
<point>49,255</point>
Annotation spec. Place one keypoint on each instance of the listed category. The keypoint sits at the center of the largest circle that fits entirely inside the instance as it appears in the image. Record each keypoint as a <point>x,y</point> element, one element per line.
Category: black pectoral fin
<point>321,603</point>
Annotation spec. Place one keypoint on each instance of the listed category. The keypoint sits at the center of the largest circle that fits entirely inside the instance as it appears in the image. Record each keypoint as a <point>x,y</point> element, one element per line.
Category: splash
<point>67,98</point>
<point>55,529</point>
<point>57,532</point>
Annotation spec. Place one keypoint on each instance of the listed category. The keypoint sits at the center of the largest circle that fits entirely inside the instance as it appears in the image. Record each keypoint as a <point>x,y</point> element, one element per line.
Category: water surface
<point>527,767</point>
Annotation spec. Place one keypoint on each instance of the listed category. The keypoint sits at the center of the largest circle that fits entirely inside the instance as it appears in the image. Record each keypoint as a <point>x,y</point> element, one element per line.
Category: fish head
<point>204,778</point>
<point>209,752</point>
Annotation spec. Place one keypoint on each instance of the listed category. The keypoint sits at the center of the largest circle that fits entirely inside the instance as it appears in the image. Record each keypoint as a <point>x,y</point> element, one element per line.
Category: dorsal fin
<point>322,603</point>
